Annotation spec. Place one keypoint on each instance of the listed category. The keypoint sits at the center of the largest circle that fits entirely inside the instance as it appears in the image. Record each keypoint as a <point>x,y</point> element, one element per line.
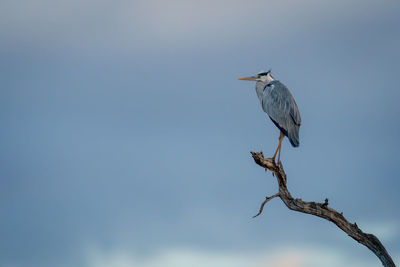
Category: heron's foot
<point>276,163</point>
<point>280,164</point>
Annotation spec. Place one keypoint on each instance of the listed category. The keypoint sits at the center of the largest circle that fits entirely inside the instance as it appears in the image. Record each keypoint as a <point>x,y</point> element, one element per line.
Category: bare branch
<point>265,202</point>
<point>321,210</point>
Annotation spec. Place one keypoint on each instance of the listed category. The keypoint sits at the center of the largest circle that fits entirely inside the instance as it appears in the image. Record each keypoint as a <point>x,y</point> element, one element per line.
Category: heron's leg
<point>276,151</point>
<point>280,147</point>
<point>281,136</point>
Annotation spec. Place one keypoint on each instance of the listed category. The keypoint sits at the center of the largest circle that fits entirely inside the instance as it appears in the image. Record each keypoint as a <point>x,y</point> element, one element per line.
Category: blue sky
<point>126,134</point>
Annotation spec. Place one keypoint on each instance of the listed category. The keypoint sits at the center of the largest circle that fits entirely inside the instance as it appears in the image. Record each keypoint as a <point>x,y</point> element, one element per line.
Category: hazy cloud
<point>281,256</point>
<point>133,25</point>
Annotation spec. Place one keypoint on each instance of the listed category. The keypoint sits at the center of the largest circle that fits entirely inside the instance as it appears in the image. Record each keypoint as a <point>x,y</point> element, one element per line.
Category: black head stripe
<point>264,73</point>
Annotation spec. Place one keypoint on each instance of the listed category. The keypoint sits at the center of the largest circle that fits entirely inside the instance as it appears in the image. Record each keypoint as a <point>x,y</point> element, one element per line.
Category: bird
<point>277,101</point>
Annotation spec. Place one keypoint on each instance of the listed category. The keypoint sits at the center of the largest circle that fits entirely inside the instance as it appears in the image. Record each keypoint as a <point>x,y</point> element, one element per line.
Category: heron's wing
<point>281,107</point>
<point>294,112</point>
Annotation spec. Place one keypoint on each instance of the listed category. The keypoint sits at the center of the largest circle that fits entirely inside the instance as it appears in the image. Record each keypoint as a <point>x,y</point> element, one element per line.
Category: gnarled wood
<point>321,210</point>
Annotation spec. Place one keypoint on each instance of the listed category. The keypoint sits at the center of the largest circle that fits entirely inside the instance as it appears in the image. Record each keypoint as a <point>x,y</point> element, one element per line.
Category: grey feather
<point>277,101</point>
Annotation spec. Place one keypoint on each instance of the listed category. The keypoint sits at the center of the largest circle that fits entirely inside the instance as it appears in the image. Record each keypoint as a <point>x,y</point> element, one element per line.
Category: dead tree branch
<point>321,210</point>
<point>265,202</point>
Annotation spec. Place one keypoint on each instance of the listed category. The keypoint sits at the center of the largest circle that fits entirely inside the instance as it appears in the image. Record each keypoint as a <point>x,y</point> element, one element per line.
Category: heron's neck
<point>260,85</point>
<point>260,88</point>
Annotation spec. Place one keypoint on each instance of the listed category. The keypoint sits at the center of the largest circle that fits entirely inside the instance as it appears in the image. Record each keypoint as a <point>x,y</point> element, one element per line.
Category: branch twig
<point>265,202</point>
<point>321,210</point>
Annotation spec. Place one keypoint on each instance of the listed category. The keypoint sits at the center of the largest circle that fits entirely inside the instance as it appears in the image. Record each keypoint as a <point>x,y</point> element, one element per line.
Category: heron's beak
<point>252,78</point>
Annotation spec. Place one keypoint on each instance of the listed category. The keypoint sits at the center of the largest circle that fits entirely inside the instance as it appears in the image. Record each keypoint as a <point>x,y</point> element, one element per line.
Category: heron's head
<point>262,76</point>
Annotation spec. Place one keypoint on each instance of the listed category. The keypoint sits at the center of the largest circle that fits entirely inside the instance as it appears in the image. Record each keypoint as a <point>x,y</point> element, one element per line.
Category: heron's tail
<point>293,136</point>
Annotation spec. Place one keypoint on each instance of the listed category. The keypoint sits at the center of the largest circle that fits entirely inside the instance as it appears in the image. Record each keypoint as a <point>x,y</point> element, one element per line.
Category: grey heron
<point>277,101</point>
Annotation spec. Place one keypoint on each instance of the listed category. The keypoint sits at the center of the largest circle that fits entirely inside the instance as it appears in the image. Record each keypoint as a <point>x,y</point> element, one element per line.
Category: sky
<point>126,135</point>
